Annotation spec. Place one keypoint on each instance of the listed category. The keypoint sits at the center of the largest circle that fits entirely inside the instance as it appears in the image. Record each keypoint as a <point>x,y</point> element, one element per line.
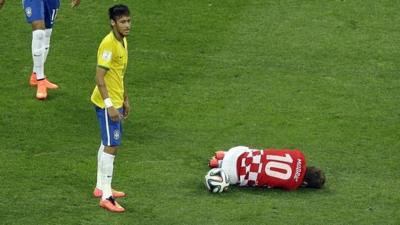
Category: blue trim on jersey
<point>41,10</point>
<point>111,131</point>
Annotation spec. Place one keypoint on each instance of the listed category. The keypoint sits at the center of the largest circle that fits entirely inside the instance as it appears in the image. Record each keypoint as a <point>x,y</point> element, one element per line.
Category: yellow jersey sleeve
<point>105,54</point>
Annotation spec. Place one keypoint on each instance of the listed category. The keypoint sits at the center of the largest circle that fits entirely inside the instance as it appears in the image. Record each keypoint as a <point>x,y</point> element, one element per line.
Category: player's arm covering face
<point>272,168</point>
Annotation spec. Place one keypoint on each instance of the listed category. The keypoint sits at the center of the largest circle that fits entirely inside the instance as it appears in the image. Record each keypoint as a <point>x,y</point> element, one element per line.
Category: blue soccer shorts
<point>41,10</point>
<point>111,131</point>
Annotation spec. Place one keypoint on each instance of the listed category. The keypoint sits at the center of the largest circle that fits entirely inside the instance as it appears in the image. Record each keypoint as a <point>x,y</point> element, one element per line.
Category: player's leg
<point>50,14</point>
<point>51,8</point>
<point>98,190</point>
<point>107,200</point>
<point>38,35</point>
<point>46,11</point>
<point>107,167</point>
<point>111,139</point>
<point>34,12</point>
<point>47,37</point>
<point>230,160</point>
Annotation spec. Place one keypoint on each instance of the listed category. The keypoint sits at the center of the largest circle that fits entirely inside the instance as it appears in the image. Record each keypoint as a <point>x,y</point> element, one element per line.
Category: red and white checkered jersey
<point>272,168</point>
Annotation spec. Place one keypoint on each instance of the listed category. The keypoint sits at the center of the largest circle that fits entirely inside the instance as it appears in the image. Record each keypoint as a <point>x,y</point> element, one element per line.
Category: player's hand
<point>126,109</point>
<point>2,3</point>
<point>74,3</point>
<point>114,114</point>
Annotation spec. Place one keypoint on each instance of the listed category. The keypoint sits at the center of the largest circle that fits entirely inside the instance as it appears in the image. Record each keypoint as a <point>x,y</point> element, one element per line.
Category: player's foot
<point>111,205</point>
<point>213,162</point>
<point>116,194</point>
<point>41,92</point>
<point>50,85</point>
<point>219,155</point>
<point>34,82</point>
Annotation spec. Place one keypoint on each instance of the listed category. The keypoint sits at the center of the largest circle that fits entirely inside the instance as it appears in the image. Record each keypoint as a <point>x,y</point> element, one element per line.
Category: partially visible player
<point>41,14</point>
<point>270,168</point>
<point>111,102</point>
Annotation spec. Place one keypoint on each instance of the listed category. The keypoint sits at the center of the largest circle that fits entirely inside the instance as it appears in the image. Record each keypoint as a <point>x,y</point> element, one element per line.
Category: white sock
<point>99,154</point>
<point>38,53</point>
<point>107,166</point>
<point>46,43</point>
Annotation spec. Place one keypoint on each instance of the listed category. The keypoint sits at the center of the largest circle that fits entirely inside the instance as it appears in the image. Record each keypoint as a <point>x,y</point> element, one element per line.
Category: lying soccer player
<point>270,168</point>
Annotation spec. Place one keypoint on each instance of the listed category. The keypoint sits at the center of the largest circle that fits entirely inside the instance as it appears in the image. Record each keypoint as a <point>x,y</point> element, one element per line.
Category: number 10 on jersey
<point>279,166</point>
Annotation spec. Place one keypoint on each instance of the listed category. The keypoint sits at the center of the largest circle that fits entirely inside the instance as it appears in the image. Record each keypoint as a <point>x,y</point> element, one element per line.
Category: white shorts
<point>229,162</point>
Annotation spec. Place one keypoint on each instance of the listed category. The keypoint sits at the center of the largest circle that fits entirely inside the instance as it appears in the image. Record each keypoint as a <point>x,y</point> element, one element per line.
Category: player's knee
<point>38,35</point>
<point>38,25</point>
<point>111,150</point>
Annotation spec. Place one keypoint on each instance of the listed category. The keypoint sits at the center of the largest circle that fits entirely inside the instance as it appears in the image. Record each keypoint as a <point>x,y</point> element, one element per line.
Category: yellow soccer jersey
<point>113,56</point>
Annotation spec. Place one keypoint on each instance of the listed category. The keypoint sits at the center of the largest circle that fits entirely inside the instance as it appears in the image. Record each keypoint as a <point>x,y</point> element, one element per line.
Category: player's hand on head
<point>114,114</point>
<point>127,109</point>
<point>75,3</point>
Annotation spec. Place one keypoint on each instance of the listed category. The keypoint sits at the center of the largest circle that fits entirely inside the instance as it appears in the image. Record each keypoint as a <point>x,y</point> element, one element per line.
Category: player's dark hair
<point>314,177</point>
<point>117,11</point>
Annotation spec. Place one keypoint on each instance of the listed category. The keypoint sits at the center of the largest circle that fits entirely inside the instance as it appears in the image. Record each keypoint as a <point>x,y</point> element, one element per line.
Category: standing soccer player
<point>111,102</point>
<point>41,14</point>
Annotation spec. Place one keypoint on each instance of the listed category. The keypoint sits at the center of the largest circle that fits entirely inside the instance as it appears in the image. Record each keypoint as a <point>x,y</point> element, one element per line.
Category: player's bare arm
<point>126,105</point>
<point>75,3</point>
<point>2,3</point>
<point>112,112</point>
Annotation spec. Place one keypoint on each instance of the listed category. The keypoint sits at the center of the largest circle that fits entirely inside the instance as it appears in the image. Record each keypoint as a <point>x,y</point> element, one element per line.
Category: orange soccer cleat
<point>213,163</point>
<point>219,155</point>
<point>34,82</point>
<point>41,92</point>
<point>116,194</point>
<point>111,205</point>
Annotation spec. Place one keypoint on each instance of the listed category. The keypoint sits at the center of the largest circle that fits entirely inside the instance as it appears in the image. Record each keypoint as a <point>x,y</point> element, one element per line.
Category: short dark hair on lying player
<point>117,11</point>
<point>314,178</point>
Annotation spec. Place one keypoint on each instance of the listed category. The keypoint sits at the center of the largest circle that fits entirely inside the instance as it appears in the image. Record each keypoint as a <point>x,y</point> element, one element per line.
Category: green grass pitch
<point>321,76</point>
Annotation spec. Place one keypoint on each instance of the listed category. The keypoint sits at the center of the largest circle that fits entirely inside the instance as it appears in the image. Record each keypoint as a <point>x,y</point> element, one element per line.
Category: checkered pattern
<point>250,168</point>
